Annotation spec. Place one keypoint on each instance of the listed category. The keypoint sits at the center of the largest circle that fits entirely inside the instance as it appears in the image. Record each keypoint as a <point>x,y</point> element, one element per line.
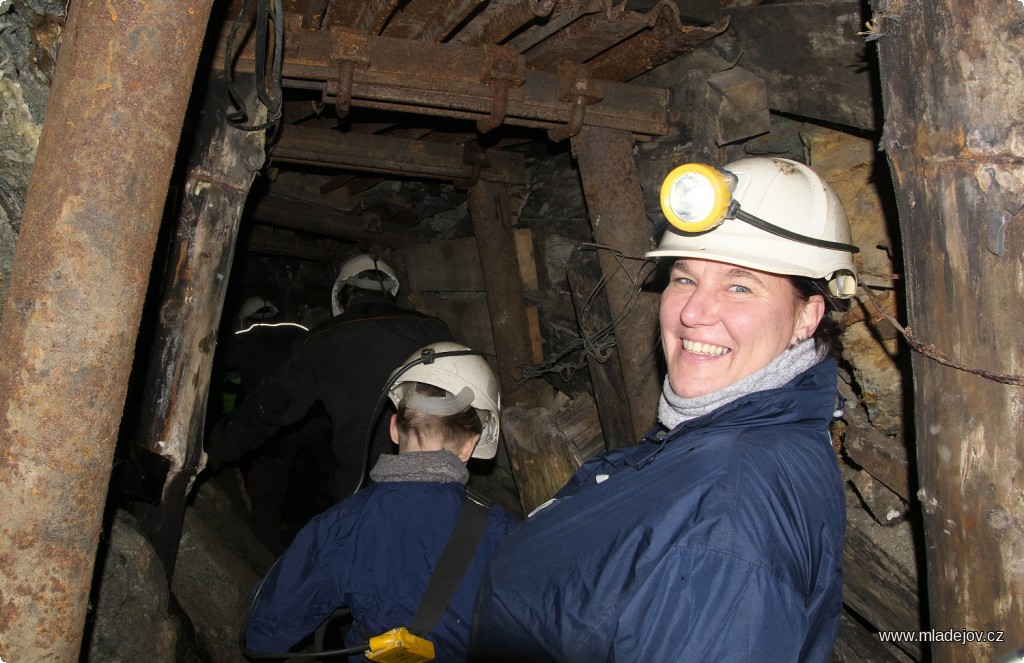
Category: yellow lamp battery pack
<point>400,646</point>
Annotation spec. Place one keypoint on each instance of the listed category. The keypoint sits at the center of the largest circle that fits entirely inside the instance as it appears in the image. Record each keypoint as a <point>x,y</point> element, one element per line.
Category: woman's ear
<point>808,317</point>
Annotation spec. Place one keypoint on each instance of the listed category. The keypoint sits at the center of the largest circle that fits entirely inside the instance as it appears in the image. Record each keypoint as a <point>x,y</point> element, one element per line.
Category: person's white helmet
<point>786,194</point>
<point>256,308</point>
<point>351,268</point>
<point>466,375</point>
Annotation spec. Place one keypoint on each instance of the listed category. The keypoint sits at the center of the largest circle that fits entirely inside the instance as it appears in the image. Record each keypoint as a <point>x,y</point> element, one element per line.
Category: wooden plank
<point>493,218</point>
<point>396,156</point>
<point>879,573</point>
<point>813,60</point>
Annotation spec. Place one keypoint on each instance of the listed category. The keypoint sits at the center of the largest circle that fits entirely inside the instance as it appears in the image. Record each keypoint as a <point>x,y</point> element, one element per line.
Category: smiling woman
<point>719,537</point>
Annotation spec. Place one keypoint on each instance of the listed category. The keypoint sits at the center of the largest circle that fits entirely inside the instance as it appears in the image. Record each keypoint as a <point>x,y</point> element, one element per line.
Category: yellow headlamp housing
<point>696,197</point>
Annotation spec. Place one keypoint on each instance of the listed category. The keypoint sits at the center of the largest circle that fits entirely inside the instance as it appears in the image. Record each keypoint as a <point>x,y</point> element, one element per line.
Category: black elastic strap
<point>454,561</point>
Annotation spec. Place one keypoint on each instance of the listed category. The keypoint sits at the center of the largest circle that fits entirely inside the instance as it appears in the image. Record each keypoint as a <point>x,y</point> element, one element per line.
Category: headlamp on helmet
<point>696,197</point>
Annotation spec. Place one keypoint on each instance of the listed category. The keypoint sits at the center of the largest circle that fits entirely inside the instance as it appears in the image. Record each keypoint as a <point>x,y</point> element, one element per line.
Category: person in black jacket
<point>344,364</point>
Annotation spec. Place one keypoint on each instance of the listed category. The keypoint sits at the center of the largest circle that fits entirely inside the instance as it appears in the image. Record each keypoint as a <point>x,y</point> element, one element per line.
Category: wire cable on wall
<point>598,342</point>
<point>269,36</point>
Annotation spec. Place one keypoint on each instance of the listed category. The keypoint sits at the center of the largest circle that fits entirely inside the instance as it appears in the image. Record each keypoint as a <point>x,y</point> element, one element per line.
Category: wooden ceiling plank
<point>368,16</point>
<point>564,13</point>
<point>648,49</point>
<point>323,220</point>
<point>430,20</point>
<point>498,20</point>
<point>393,156</point>
<point>587,37</point>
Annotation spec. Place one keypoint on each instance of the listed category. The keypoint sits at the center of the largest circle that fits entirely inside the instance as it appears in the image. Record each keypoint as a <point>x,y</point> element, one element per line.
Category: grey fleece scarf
<point>435,466</point>
<point>674,410</point>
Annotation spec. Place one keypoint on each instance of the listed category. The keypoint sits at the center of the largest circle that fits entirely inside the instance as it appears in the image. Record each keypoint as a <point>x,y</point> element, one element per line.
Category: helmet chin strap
<point>736,213</point>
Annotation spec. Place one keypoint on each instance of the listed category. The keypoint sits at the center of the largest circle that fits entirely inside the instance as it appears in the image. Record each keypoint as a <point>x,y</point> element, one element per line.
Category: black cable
<point>273,99</point>
<point>737,213</point>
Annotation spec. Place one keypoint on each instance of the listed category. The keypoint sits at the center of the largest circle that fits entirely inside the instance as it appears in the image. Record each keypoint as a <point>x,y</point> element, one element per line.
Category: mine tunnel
<point>166,163</point>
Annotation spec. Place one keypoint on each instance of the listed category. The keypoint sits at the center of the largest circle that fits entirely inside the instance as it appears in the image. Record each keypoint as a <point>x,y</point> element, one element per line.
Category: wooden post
<point>492,222</point>
<point>584,274</point>
<point>70,321</point>
<point>953,91</point>
<point>616,207</point>
<point>224,163</point>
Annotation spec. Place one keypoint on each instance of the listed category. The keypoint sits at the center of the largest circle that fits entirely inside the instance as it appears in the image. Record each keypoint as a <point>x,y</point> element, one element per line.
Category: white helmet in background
<point>466,376</point>
<point>351,274</point>
<point>800,207</point>
<point>255,309</point>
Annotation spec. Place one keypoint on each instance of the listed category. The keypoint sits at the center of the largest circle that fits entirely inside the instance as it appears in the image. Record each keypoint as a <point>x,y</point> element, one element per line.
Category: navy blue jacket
<point>374,553</point>
<point>721,540</point>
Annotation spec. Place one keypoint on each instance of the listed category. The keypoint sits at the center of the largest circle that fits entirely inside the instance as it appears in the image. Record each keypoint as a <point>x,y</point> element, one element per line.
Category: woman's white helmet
<point>789,195</point>
<point>464,374</point>
<point>349,274</point>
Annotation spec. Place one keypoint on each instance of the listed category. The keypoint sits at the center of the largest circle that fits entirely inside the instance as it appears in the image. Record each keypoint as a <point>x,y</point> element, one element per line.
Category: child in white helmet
<point>375,551</point>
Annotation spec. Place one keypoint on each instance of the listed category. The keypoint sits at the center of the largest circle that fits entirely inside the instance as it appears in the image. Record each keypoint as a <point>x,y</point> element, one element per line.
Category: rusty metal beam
<point>449,81</point>
<point>70,321</point>
<point>616,209</point>
<point>396,156</point>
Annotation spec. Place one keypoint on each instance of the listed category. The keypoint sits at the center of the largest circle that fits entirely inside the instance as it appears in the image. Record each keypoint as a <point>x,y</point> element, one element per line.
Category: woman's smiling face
<point>721,322</point>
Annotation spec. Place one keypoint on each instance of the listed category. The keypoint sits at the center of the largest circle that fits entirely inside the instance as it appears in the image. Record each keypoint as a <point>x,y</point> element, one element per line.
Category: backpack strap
<point>455,559</point>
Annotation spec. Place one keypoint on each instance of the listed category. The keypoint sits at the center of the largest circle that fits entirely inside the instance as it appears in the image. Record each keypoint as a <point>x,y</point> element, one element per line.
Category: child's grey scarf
<point>436,466</point>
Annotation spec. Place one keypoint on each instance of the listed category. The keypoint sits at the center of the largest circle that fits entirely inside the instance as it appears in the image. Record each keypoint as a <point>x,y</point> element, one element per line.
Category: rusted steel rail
<point>353,69</point>
<point>70,321</point>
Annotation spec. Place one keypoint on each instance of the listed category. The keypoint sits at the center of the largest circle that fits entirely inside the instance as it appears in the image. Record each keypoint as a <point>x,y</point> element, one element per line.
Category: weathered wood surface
<point>223,164</point>
<point>493,217</point>
<point>616,209</point>
<point>814,62</point>
<point>953,88</point>
<point>75,299</point>
<point>548,444</point>
<point>593,315</point>
<point>880,581</point>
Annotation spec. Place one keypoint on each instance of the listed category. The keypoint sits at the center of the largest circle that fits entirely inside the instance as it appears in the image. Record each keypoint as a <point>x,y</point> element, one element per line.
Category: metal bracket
<point>573,84</point>
<point>502,71</point>
<point>475,156</point>
<point>348,49</point>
